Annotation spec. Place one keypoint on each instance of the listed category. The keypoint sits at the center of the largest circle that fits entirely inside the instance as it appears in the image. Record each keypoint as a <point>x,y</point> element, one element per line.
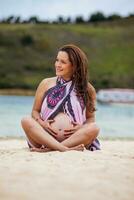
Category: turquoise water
<point>113,120</point>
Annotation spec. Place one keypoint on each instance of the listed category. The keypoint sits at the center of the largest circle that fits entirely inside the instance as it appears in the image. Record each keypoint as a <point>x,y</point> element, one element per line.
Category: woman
<point>63,114</point>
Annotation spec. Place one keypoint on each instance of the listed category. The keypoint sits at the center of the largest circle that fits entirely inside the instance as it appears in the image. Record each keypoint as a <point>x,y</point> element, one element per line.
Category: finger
<point>52,130</point>
<point>67,136</point>
<point>71,130</point>
<point>68,130</point>
<point>74,123</point>
<point>52,133</point>
<point>70,133</point>
<point>50,120</point>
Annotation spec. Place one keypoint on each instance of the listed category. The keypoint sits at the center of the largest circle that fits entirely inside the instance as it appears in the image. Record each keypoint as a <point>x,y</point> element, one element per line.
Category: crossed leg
<point>38,136</point>
<point>84,135</point>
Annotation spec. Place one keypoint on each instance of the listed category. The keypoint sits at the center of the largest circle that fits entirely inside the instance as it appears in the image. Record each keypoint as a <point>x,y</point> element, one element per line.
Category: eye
<point>63,62</point>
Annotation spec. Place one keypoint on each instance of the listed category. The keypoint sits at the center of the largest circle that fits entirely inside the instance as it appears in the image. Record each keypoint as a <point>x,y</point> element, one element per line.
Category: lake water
<point>114,120</point>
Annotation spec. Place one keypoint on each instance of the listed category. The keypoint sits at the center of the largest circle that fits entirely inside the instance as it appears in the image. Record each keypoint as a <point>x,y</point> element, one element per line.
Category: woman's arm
<point>42,88</point>
<point>40,92</point>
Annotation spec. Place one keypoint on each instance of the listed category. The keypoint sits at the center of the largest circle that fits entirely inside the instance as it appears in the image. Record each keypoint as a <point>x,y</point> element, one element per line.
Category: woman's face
<point>63,66</point>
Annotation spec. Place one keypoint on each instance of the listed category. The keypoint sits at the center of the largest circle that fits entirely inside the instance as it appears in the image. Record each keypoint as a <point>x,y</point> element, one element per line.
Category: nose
<point>58,64</point>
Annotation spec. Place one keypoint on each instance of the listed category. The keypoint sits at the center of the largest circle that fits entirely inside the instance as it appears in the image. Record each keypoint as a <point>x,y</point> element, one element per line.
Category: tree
<point>130,15</point>
<point>60,20</point>
<point>17,20</point>
<point>79,20</point>
<point>33,20</point>
<point>68,21</point>
<point>113,17</point>
<point>10,19</point>
<point>97,17</point>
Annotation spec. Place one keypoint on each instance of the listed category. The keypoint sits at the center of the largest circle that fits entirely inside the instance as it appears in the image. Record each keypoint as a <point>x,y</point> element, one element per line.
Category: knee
<point>93,130</point>
<point>96,129</point>
<point>26,122</point>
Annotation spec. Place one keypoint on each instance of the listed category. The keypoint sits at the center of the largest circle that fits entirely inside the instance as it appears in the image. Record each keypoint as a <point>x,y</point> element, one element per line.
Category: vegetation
<point>95,17</point>
<point>27,51</point>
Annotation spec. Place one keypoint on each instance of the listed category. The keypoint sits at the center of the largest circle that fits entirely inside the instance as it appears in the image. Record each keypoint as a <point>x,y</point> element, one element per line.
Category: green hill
<point>27,52</point>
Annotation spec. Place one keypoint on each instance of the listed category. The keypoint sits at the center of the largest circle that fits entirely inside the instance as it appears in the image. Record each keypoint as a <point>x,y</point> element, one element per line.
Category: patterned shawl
<point>62,98</point>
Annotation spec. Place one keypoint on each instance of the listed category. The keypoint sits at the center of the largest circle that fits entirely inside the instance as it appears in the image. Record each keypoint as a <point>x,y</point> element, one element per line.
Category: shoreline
<point>17,92</point>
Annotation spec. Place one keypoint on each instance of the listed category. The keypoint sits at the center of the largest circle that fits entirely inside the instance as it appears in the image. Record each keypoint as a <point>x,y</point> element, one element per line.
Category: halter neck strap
<point>61,80</point>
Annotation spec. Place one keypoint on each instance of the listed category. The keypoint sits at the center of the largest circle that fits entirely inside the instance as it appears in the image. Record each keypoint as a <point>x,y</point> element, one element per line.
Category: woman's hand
<point>47,126</point>
<point>69,132</point>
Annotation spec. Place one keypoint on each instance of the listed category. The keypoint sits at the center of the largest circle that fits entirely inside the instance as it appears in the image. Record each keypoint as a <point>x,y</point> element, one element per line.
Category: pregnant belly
<point>61,123</point>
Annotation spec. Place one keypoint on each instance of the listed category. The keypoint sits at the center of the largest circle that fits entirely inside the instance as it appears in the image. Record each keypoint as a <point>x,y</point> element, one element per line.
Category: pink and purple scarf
<point>62,98</point>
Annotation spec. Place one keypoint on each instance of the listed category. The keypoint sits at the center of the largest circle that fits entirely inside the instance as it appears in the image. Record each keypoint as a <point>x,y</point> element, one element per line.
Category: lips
<point>59,70</point>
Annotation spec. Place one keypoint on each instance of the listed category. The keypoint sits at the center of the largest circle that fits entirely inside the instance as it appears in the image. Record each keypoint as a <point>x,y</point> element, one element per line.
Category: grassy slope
<point>109,48</point>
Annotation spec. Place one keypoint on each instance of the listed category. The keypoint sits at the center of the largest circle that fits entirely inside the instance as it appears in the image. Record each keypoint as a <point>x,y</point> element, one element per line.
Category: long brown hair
<point>80,63</point>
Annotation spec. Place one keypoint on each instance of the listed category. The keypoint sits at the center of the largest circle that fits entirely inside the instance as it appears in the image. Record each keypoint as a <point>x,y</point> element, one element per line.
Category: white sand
<point>102,175</point>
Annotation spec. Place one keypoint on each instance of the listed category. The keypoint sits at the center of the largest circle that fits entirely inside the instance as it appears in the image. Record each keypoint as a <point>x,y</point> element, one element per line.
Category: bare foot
<point>40,150</point>
<point>79,147</point>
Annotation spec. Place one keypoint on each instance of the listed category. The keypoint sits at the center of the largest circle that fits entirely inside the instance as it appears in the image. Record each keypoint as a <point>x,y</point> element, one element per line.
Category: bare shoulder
<point>47,83</point>
<point>44,85</point>
<point>49,80</point>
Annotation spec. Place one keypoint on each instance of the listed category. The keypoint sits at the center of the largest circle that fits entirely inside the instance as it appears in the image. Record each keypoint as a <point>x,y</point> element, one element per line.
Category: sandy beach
<point>105,174</point>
